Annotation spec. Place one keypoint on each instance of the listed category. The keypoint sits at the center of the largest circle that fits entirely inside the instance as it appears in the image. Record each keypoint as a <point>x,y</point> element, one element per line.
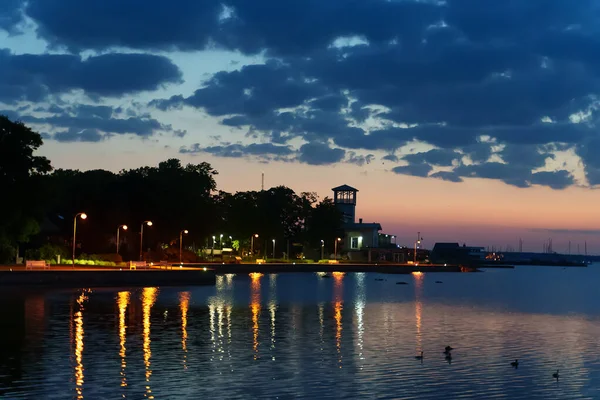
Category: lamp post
<point>185,231</point>
<point>252,244</point>
<point>149,223</point>
<point>212,250</point>
<point>417,243</point>
<point>221,240</point>
<point>124,227</point>
<point>83,216</point>
<point>322,249</point>
<point>336,245</point>
<point>273,248</point>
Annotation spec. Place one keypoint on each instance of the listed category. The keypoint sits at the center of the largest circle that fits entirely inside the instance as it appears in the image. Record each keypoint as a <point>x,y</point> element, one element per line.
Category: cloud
<point>91,123</point>
<point>359,159</point>
<point>73,135</point>
<point>320,154</point>
<point>260,150</point>
<point>10,15</point>
<point>440,157</point>
<point>34,77</point>
<point>421,170</point>
<point>481,82</point>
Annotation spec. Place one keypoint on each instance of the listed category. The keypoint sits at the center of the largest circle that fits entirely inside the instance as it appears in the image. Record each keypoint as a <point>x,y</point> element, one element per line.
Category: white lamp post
<point>336,246</point>
<point>322,249</point>
<point>83,216</point>
<point>252,244</point>
<point>185,231</point>
<point>273,248</point>
<point>149,223</point>
<point>124,227</point>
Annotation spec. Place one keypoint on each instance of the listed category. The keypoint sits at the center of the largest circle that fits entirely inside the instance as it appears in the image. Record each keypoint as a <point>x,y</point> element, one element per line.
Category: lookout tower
<point>344,197</point>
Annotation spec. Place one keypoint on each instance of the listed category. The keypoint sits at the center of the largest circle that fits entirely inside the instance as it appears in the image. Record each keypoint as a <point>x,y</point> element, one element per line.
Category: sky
<point>467,120</point>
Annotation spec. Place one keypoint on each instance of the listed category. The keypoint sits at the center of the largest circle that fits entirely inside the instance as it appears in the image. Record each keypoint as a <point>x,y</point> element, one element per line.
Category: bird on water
<point>419,357</point>
<point>555,375</point>
<point>449,349</point>
<point>515,364</point>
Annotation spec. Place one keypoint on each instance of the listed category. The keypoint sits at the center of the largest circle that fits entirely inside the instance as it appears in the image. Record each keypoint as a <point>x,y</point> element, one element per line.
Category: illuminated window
<point>354,243</point>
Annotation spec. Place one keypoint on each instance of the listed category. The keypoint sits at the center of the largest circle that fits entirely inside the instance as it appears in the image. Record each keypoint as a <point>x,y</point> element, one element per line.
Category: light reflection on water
<point>305,336</point>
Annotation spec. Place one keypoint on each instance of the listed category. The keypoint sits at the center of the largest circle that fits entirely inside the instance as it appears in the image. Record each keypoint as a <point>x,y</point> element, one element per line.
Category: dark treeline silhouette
<point>39,205</point>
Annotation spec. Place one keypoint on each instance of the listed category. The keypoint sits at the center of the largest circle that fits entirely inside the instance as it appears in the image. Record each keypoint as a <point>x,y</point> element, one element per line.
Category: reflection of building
<point>453,253</point>
<point>358,236</point>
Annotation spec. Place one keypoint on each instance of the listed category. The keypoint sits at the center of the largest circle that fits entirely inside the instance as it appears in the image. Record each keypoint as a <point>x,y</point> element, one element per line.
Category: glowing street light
<point>417,243</point>
<point>273,248</point>
<point>336,246</point>
<point>124,227</point>
<point>252,244</point>
<point>221,240</point>
<point>82,216</point>
<point>185,231</point>
<point>149,223</point>
<point>322,249</point>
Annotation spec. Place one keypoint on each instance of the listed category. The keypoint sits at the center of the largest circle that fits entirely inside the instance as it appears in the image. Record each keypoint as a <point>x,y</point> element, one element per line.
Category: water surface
<point>304,336</point>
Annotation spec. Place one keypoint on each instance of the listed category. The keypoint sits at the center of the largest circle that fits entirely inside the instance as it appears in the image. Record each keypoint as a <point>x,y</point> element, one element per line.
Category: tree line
<point>39,205</point>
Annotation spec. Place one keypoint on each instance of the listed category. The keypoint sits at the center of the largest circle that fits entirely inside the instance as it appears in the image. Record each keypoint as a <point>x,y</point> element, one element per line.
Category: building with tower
<point>359,235</point>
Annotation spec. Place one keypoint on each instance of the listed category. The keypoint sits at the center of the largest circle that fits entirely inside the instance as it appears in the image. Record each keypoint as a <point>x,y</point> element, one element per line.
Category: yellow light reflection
<point>338,292</point>
<point>148,299</point>
<point>122,302</point>
<point>418,276</point>
<point>184,304</point>
<point>255,308</point>
<point>321,322</point>
<point>79,336</point>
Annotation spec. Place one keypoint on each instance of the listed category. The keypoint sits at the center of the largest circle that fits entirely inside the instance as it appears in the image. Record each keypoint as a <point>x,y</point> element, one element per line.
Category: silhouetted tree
<point>21,204</point>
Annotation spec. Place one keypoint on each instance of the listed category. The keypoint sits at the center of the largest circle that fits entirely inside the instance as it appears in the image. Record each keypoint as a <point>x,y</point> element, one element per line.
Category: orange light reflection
<point>184,303</point>
<point>255,308</point>
<point>148,299</point>
<point>122,302</point>
<point>338,292</point>
<point>79,336</point>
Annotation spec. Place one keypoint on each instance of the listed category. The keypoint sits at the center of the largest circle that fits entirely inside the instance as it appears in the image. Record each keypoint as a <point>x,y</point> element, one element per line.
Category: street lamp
<point>273,248</point>
<point>83,216</point>
<point>252,244</point>
<point>149,223</point>
<point>118,229</point>
<point>336,245</point>
<point>322,249</point>
<point>181,244</point>
<point>417,243</point>
<point>221,240</point>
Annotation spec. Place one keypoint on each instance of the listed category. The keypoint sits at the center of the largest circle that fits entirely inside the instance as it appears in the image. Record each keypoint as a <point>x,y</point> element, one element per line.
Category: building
<point>358,235</point>
<point>453,253</point>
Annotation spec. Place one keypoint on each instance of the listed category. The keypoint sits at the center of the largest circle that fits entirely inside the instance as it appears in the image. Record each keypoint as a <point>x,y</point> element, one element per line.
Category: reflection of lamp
<point>122,302</point>
<point>184,302</point>
<point>148,299</point>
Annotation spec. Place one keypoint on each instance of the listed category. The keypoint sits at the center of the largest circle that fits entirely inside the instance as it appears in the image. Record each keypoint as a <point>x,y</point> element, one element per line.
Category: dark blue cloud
<point>439,157</point>
<point>34,77</point>
<point>554,179</point>
<point>471,78</point>
<point>260,150</point>
<point>10,15</point>
<point>103,24</point>
<point>74,135</point>
<point>421,170</point>
<point>320,154</point>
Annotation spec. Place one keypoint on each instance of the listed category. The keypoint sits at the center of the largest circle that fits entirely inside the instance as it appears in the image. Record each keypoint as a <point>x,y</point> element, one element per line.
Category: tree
<point>21,207</point>
<point>324,223</point>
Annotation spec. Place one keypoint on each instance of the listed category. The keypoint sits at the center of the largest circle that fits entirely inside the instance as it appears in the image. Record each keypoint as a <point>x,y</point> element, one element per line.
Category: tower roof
<point>344,188</point>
